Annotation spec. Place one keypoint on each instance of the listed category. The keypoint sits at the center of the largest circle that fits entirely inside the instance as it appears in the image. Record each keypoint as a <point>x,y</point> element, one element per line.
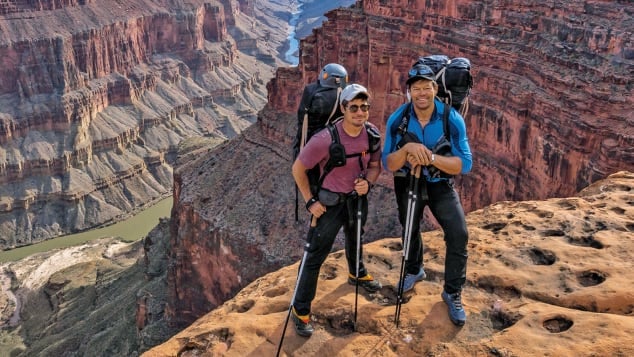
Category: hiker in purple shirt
<point>347,174</point>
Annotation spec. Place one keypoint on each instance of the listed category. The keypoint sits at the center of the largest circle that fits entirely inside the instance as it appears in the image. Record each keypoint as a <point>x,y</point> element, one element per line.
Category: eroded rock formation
<point>551,112</point>
<point>540,281</point>
<point>94,99</point>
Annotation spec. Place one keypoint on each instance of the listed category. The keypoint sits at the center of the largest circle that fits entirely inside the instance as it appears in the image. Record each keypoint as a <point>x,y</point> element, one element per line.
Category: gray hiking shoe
<point>456,311</point>
<point>411,279</point>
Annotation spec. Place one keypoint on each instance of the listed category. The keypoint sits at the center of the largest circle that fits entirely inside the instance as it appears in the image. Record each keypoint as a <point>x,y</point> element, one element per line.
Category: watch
<point>433,158</point>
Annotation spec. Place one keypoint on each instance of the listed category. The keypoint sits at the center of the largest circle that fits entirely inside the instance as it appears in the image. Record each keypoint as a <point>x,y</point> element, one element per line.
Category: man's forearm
<point>396,160</point>
<point>301,179</point>
<point>373,173</point>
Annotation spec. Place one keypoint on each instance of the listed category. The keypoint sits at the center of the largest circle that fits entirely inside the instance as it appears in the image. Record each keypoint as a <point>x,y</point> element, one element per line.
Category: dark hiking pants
<point>321,238</point>
<point>444,204</point>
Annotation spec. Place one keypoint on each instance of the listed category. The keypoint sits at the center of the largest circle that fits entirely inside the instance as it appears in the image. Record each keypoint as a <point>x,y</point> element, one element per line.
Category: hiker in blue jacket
<point>415,136</point>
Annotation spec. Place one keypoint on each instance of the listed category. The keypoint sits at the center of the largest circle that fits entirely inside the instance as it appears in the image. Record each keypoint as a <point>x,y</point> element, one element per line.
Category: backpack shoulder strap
<point>334,135</point>
<point>445,122</point>
<point>304,131</point>
<point>402,127</point>
<point>374,138</point>
<point>307,101</point>
<point>334,108</point>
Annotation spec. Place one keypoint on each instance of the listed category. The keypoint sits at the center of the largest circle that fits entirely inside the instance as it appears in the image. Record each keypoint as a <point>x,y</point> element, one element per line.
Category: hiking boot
<point>302,324</point>
<point>456,311</point>
<point>367,282</point>
<point>411,279</point>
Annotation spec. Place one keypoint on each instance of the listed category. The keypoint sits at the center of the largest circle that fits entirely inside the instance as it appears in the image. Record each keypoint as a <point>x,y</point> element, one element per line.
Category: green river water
<point>132,229</point>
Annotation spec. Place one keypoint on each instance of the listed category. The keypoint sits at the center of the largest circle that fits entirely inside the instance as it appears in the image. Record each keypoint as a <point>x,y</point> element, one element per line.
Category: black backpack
<point>318,107</point>
<point>454,80</point>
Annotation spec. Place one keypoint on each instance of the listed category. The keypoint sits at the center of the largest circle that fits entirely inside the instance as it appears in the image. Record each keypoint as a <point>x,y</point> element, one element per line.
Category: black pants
<point>444,204</point>
<point>321,238</point>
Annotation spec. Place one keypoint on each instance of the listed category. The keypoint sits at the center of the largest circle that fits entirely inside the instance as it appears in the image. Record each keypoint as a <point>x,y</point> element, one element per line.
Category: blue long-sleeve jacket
<point>431,134</point>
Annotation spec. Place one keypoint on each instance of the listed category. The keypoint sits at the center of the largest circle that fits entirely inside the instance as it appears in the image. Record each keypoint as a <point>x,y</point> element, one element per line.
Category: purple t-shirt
<point>340,179</point>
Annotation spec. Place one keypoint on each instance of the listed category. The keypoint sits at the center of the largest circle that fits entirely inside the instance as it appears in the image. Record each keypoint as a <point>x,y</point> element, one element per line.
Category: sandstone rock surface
<point>545,277</point>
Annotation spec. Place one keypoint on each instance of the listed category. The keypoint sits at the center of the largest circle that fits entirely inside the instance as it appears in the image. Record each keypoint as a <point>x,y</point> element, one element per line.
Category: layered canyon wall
<point>550,112</point>
<point>96,97</point>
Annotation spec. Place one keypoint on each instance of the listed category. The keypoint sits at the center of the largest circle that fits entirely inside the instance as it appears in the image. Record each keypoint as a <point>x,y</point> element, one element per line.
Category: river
<point>292,54</point>
<point>132,229</point>
<point>307,15</point>
<point>138,226</point>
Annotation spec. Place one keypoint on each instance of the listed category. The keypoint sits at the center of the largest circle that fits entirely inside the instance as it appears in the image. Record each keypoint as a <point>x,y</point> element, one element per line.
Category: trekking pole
<point>356,292</point>
<point>295,154</point>
<point>412,196</point>
<point>313,223</point>
<point>296,204</point>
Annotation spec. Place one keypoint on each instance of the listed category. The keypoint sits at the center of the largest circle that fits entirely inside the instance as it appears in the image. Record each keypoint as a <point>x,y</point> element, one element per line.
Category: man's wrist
<point>310,202</point>
<point>370,184</point>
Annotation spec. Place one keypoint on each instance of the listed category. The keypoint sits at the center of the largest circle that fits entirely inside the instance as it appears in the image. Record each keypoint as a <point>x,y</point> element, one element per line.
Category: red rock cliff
<point>552,107</point>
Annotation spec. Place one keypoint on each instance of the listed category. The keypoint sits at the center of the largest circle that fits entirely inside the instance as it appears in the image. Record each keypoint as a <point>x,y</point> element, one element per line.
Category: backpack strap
<point>334,108</point>
<point>374,144</point>
<point>402,127</point>
<point>445,122</point>
<point>334,134</point>
<point>374,138</point>
<point>304,131</point>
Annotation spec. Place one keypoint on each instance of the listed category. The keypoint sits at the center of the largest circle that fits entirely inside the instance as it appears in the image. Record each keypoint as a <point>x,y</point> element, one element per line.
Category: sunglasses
<point>355,108</point>
<point>423,71</point>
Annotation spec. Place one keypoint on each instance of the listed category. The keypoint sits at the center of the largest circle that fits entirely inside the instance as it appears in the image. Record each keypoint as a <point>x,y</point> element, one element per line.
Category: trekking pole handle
<point>417,171</point>
<point>355,194</point>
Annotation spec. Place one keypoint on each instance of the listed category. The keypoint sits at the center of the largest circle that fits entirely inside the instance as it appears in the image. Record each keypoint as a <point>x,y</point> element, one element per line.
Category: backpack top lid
<point>460,62</point>
<point>333,75</point>
<point>435,62</point>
